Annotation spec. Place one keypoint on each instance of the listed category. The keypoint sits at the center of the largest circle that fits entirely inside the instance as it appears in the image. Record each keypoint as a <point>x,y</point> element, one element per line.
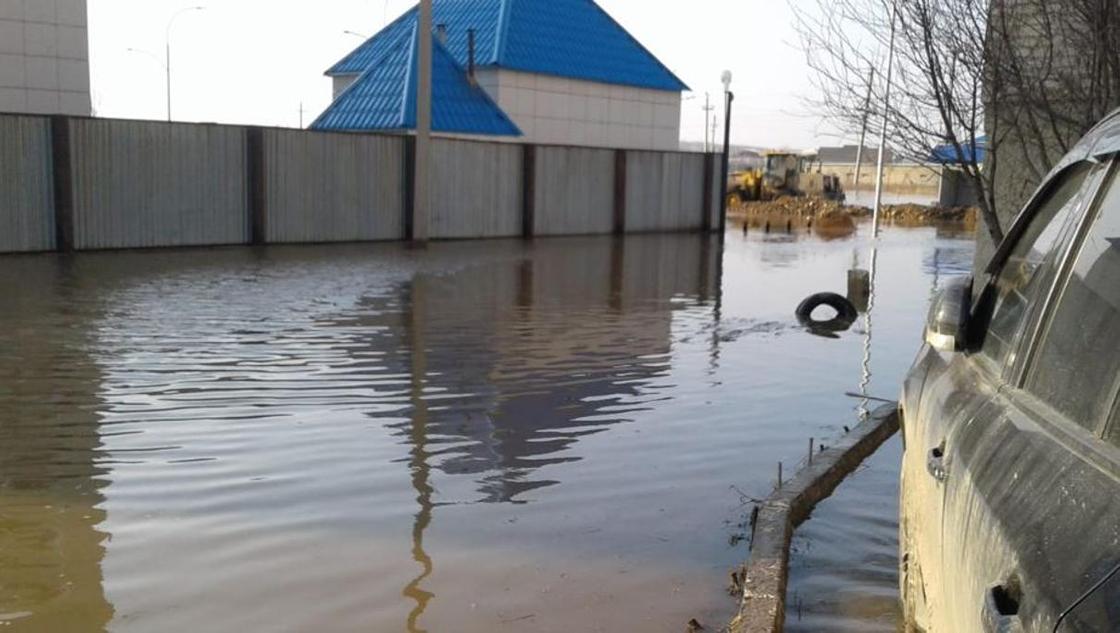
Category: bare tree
<point>1029,75</point>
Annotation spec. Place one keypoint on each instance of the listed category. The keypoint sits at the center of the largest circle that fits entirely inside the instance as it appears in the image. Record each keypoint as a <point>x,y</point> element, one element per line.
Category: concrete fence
<point>574,191</point>
<point>332,187</point>
<point>475,189</point>
<point>26,185</point>
<point>81,184</point>
<point>145,184</point>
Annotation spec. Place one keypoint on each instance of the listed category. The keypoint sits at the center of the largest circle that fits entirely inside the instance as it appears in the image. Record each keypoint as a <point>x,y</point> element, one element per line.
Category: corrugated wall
<point>664,191</point>
<point>145,184</point>
<point>333,187</point>
<point>574,191</point>
<point>26,188</point>
<point>475,189</point>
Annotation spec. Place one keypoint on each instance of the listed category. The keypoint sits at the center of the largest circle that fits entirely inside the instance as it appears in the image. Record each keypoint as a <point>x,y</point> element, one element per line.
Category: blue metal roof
<point>947,154</point>
<point>576,39</point>
<point>384,96</point>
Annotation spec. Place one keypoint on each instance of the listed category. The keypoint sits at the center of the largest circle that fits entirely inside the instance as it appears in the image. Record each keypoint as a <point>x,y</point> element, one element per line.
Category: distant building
<point>544,71</point>
<point>900,175</point>
<point>44,57</point>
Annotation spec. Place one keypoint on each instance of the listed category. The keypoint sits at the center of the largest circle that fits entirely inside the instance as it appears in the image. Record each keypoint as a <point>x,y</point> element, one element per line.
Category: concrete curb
<point>763,605</point>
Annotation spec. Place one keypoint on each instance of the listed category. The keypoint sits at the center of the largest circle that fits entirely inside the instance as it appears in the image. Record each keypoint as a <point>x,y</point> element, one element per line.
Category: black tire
<point>846,313</point>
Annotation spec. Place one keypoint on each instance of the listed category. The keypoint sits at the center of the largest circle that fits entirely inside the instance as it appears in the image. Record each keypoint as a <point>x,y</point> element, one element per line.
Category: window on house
<point>1030,266</point>
<point>1078,361</point>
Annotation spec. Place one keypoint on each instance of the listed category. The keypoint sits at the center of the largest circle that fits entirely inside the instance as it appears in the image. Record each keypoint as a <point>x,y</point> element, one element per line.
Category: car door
<point>1031,486</point>
<point>960,389</point>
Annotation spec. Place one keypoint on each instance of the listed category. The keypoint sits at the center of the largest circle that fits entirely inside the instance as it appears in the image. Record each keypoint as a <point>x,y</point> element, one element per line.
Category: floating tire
<point>846,313</point>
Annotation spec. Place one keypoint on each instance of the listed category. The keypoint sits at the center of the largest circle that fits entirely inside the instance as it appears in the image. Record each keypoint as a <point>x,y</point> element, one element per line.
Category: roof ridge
<point>358,49</point>
<point>390,49</point>
<point>500,29</point>
<point>408,97</point>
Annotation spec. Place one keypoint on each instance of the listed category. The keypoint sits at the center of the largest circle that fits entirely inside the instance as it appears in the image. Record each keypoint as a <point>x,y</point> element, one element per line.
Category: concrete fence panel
<point>690,215</point>
<point>574,191</point>
<point>26,186</point>
<point>663,191</point>
<point>332,187</point>
<point>145,184</point>
<point>475,189</point>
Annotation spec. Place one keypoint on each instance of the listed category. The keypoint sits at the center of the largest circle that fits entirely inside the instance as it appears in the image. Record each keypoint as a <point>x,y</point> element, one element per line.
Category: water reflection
<point>510,364</point>
<point>418,464</point>
<point>507,379</point>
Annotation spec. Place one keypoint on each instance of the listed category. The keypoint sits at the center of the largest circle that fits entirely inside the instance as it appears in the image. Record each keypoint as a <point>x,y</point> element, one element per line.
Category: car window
<point>1076,367</point>
<point>1030,265</point>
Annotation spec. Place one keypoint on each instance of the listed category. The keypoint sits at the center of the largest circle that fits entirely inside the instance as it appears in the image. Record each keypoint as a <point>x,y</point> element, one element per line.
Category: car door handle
<point>1001,610</point>
<point>935,463</point>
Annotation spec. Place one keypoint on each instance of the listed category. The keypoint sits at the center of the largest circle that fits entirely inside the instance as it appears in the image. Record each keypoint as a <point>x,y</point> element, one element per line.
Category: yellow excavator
<point>783,174</point>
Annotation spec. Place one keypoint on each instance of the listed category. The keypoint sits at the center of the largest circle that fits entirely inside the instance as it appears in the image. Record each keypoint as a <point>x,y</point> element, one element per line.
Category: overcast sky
<point>256,61</point>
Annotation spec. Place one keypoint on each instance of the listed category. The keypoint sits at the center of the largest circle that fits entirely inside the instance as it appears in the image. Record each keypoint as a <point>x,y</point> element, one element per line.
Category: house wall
<point>558,111</point>
<point>902,179</point>
<point>44,57</point>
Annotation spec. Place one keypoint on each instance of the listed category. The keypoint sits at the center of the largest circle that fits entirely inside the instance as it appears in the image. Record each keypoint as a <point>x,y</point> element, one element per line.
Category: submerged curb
<point>763,605</point>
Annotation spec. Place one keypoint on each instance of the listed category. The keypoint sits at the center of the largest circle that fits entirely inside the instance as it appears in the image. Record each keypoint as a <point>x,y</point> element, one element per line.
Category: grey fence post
<point>619,191</point>
<point>409,184</point>
<point>62,170</point>
<point>257,186</point>
<point>709,182</point>
<point>528,191</point>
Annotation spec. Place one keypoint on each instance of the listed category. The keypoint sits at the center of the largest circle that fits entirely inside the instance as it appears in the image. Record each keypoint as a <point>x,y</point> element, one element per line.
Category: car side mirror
<point>947,325</point>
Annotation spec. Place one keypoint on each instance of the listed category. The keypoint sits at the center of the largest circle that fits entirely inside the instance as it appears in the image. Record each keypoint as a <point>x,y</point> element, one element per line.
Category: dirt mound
<point>919,214</point>
<point>797,207</point>
<point>819,209</point>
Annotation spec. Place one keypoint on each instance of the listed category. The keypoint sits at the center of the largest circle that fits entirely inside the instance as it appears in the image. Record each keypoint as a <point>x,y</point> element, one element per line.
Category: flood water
<point>560,435</point>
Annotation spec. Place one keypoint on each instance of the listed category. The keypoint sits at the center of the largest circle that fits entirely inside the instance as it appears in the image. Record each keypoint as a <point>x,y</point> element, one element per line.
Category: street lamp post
<point>167,43</point>
<point>729,97</point>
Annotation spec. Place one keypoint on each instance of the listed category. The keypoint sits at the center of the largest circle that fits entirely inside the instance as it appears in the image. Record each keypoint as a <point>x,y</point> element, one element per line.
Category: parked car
<point>1010,506</point>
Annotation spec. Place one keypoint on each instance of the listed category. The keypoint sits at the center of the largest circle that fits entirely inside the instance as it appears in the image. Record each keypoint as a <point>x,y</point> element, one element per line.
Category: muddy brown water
<point>548,436</point>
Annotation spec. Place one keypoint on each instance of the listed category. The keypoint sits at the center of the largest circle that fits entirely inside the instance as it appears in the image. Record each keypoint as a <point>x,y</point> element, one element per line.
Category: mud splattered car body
<point>1010,511</point>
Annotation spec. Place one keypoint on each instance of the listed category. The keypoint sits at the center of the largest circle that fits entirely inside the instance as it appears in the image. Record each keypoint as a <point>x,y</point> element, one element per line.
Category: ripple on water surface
<point>475,437</point>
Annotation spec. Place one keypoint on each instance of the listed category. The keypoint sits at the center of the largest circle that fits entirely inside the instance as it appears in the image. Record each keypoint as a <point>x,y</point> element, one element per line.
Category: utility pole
<point>729,98</point>
<point>883,133</point>
<point>167,45</point>
<point>863,130</point>
<point>421,197</point>
<point>708,108</point>
<point>301,115</point>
